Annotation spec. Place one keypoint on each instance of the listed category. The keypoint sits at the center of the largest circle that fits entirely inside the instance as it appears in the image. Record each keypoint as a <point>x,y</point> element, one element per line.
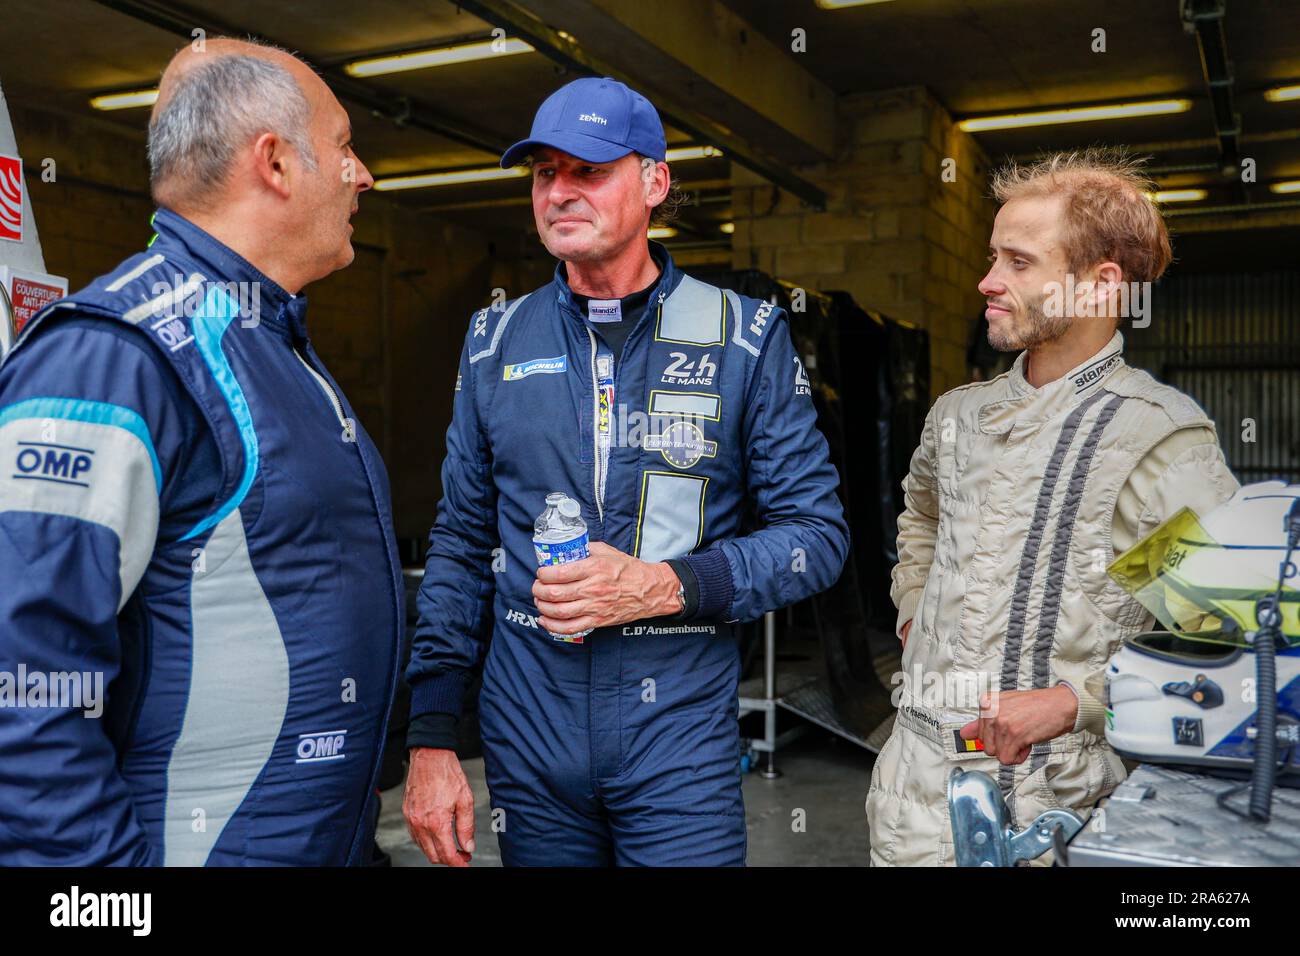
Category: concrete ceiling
<point>977,56</point>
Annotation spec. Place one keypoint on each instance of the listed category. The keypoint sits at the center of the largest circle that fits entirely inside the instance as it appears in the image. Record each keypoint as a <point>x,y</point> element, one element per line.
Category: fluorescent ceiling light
<point>1279,94</point>
<point>451,177</point>
<point>437,56</point>
<point>841,4</point>
<point>1082,114</point>
<point>691,152</point>
<point>728,227</point>
<point>1290,186</point>
<point>661,232</point>
<point>125,101</point>
<point>1177,195</point>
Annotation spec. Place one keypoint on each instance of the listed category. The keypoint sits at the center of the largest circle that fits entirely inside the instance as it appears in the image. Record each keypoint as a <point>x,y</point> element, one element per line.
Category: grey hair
<point>216,109</point>
<point>664,214</point>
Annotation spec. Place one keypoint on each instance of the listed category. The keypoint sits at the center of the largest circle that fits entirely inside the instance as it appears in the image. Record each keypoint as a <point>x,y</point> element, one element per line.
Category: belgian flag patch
<point>966,746</point>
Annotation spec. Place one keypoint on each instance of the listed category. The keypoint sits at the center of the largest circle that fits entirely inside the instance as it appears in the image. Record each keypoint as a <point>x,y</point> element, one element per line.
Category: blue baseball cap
<point>596,119</point>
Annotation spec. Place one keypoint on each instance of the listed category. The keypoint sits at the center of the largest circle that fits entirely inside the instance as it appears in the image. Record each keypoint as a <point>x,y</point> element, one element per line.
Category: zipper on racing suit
<point>325,387</point>
<point>602,426</point>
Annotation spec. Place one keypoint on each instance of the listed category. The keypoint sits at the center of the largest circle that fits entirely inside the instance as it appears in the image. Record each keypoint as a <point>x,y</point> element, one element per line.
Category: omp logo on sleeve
<point>313,748</point>
<point>46,461</point>
<point>546,366</point>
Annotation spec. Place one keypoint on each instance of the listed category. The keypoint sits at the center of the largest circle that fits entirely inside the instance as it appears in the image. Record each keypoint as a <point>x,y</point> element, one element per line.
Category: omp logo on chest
<point>47,461</point>
<point>541,366</point>
<point>327,745</point>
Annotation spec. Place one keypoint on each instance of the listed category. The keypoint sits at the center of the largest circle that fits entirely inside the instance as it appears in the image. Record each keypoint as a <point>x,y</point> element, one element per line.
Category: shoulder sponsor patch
<point>541,366</point>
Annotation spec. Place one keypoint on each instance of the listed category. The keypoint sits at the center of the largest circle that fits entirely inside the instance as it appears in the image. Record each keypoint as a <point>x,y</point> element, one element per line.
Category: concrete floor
<point>823,784</point>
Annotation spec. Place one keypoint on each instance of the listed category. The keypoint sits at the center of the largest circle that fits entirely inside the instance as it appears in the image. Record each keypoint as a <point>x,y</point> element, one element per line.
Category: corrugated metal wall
<point>1232,342</point>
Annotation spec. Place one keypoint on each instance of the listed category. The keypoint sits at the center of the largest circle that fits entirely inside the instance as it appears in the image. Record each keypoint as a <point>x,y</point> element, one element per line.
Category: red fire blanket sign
<point>30,291</point>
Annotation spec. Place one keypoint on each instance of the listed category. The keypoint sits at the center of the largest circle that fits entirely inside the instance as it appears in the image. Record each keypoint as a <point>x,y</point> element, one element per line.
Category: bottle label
<point>561,552</point>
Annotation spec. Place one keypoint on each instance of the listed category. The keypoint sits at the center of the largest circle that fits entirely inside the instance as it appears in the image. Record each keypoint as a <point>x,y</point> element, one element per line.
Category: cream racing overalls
<point>1016,502</point>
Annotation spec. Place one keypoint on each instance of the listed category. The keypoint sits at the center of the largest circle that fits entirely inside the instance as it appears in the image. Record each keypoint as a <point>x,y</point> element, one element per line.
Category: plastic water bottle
<point>560,536</point>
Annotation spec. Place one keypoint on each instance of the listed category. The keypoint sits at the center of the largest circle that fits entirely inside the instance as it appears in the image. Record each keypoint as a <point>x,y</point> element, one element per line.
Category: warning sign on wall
<point>29,292</point>
<point>11,198</point>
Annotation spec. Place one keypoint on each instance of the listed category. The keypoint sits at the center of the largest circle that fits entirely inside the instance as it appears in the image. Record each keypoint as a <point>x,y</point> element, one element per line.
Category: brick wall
<point>894,234</point>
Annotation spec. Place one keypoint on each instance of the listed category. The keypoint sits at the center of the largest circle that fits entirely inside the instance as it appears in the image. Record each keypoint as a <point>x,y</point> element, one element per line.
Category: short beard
<point>1039,329</point>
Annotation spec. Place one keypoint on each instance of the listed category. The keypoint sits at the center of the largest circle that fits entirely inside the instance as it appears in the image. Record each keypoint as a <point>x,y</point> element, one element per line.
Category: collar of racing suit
<point>1027,404</point>
<point>668,279</point>
<point>278,309</point>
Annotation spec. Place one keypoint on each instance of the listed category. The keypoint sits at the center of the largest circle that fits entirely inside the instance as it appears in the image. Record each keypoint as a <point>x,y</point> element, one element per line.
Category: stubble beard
<point>1038,329</point>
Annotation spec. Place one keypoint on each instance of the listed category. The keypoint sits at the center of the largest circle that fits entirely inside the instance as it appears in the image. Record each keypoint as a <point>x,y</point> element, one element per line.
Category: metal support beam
<point>518,19</point>
<point>1235,218</point>
<point>702,52</point>
<point>1204,18</point>
<point>401,110</point>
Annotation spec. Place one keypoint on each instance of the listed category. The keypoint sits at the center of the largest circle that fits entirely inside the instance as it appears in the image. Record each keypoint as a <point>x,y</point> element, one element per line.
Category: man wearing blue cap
<point>678,416</point>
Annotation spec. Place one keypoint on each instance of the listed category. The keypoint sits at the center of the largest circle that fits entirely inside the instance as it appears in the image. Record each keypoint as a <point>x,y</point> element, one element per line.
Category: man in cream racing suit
<point>1021,493</point>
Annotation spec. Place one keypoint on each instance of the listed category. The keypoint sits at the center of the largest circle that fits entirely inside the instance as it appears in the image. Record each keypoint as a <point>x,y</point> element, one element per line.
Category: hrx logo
<point>519,617</point>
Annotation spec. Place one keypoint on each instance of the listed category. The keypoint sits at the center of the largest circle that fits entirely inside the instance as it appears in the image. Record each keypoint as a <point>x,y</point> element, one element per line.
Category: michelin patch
<point>541,366</point>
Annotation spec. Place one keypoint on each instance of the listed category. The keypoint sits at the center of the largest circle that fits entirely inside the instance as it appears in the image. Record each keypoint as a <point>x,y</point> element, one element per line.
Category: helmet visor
<point>1198,588</point>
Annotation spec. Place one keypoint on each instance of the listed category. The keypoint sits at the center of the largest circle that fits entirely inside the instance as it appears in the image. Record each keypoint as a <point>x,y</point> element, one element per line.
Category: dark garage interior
<point>832,159</point>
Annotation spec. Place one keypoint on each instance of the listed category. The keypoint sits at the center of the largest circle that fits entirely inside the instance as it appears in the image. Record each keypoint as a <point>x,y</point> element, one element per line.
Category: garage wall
<point>896,234</point>
<point>1231,341</point>
<point>389,327</point>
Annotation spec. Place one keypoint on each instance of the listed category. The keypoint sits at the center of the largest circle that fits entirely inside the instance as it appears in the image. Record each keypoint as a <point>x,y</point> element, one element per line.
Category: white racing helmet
<point>1186,696</point>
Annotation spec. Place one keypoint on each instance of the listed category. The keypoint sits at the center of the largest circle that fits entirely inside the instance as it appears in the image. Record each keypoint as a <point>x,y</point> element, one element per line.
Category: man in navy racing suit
<point>201,605</point>
<point>679,417</point>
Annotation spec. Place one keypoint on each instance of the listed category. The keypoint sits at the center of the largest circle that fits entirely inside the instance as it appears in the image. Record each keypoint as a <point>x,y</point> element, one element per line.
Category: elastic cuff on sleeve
<point>690,584</point>
<point>442,693</point>
<point>907,610</point>
<point>438,731</point>
<point>1092,712</point>
<point>717,590</point>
